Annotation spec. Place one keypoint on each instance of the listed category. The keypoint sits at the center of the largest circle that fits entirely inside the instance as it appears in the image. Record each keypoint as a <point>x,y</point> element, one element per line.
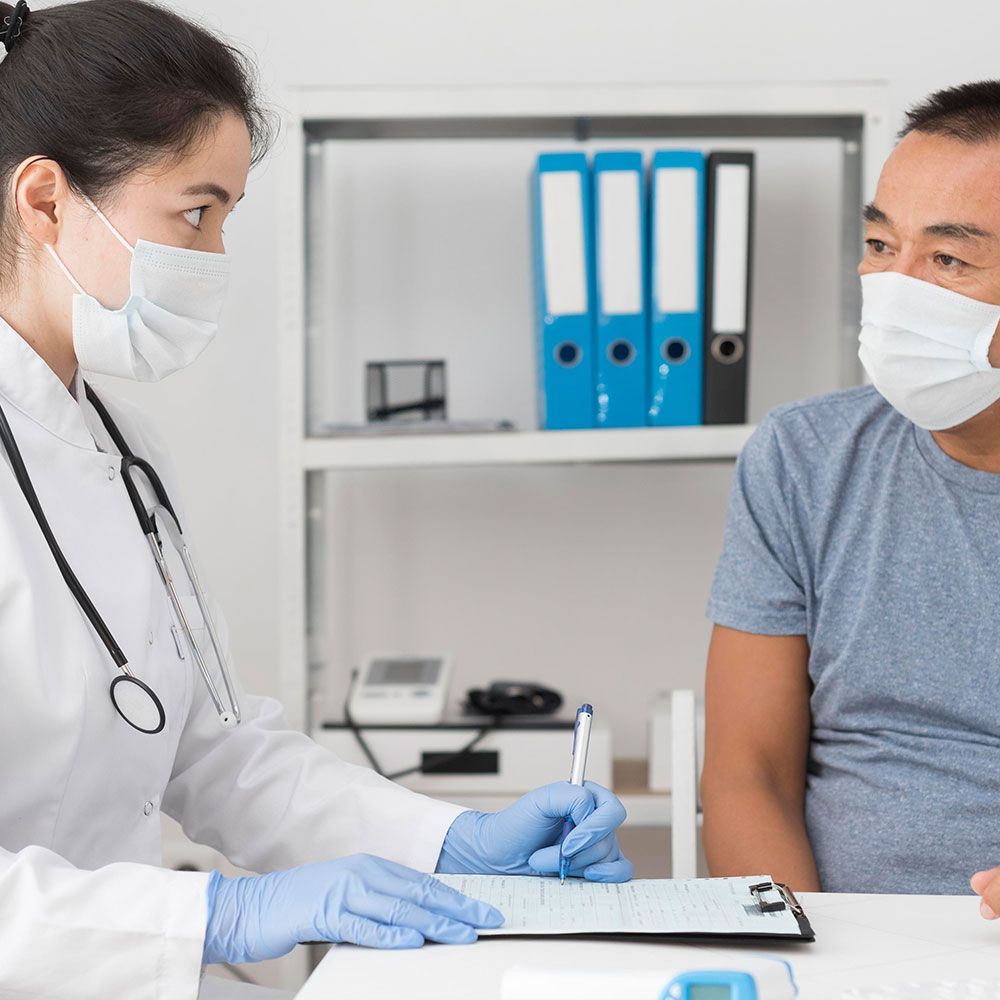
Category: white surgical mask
<point>171,315</point>
<point>926,348</point>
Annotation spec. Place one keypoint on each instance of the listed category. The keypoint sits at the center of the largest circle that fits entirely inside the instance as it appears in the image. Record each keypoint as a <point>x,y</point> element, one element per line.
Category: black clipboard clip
<point>785,898</point>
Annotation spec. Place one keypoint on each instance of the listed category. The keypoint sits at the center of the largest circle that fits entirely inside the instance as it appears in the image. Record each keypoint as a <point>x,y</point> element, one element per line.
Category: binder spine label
<point>621,348</point>
<point>676,334</point>
<point>728,271</point>
<point>562,225</point>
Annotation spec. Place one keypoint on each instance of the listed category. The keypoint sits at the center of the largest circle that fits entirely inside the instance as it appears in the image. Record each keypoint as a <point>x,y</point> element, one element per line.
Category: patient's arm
<point>756,747</point>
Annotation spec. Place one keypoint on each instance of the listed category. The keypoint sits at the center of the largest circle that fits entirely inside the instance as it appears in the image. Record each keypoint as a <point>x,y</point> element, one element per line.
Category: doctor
<point>127,135</point>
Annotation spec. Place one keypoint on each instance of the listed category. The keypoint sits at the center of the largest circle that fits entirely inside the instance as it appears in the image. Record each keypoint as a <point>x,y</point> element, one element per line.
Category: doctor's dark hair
<point>969,112</point>
<point>105,87</point>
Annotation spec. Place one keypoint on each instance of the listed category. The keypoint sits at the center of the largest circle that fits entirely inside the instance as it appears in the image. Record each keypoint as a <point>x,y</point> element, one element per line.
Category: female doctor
<point>127,135</point>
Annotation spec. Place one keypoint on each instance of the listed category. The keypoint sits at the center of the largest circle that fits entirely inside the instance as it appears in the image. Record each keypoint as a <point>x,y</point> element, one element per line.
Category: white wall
<point>221,416</point>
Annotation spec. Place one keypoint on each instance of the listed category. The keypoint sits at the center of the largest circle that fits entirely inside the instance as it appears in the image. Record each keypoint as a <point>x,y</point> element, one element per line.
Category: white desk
<point>860,941</point>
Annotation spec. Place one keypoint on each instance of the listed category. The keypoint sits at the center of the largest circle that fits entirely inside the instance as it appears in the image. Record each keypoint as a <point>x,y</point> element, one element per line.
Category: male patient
<point>853,688</point>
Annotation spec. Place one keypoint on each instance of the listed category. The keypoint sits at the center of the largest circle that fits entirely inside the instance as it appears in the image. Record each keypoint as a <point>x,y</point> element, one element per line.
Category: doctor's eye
<point>876,246</point>
<point>194,215</point>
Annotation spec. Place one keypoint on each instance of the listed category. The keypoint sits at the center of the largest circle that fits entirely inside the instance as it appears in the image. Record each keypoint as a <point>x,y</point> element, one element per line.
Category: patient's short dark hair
<point>969,112</point>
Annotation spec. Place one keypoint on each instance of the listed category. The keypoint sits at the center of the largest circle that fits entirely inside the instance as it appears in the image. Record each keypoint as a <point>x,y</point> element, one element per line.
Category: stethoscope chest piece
<point>137,704</point>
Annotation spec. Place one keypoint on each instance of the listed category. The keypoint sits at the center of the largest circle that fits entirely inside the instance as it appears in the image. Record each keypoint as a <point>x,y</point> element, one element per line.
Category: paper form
<point>643,906</point>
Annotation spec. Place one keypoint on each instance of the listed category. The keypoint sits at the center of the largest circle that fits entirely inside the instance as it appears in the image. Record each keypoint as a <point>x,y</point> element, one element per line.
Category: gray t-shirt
<point>849,525</point>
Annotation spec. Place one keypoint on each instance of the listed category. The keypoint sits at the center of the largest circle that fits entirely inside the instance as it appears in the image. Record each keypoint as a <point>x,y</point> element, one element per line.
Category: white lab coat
<point>84,910</point>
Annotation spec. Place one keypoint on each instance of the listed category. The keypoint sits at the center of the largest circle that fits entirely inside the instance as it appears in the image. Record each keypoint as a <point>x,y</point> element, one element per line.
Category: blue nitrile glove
<point>360,899</point>
<point>523,839</point>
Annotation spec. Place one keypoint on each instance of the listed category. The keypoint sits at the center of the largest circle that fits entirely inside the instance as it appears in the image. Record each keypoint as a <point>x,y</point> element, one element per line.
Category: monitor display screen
<point>404,671</point>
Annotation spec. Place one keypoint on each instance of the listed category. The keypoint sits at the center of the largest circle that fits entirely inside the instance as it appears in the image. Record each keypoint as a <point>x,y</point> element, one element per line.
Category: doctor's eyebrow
<point>954,230</point>
<point>215,190</point>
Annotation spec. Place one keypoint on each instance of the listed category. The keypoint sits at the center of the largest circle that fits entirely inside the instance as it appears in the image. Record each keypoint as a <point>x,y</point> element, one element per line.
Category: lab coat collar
<point>76,386</point>
<point>31,386</point>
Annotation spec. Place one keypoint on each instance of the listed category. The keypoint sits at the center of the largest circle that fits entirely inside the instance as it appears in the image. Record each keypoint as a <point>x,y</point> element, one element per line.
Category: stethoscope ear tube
<point>225,717</point>
<point>28,489</point>
<point>228,718</point>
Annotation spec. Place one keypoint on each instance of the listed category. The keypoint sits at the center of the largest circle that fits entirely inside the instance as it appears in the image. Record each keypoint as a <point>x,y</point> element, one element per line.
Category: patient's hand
<point>987,885</point>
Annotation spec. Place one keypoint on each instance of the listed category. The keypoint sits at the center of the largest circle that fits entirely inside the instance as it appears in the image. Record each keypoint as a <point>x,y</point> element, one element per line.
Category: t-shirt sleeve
<point>758,584</point>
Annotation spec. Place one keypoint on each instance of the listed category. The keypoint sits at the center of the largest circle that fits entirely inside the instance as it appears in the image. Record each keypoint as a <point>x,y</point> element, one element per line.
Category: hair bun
<point>13,24</point>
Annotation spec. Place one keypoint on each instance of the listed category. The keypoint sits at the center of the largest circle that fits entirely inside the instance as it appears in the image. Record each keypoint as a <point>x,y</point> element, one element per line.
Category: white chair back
<point>683,784</point>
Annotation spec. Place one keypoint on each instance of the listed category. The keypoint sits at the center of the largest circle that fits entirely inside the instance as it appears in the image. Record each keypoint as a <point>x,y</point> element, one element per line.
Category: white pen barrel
<point>581,745</point>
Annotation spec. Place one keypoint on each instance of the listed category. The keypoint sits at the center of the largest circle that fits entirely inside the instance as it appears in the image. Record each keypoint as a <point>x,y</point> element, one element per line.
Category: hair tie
<point>13,24</point>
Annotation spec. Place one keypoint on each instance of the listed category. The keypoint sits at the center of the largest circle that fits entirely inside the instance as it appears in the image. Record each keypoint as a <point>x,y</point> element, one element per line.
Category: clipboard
<point>733,909</point>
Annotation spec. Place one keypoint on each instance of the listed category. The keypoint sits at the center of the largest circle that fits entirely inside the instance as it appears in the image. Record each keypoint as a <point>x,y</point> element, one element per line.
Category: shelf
<point>644,808</point>
<point>640,444</point>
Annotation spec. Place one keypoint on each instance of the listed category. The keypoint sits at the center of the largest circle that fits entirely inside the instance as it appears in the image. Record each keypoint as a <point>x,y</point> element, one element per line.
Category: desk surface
<point>861,941</point>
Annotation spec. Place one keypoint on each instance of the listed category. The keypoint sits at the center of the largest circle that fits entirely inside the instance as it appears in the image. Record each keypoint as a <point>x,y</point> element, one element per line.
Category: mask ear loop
<point>114,232</point>
<point>65,270</point>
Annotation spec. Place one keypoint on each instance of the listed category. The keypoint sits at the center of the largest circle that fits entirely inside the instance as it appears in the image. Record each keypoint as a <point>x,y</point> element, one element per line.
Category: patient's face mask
<point>926,348</point>
<point>171,315</point>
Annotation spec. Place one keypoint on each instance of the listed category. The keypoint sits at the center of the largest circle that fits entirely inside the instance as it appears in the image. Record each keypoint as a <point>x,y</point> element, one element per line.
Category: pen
<point>581,744</point>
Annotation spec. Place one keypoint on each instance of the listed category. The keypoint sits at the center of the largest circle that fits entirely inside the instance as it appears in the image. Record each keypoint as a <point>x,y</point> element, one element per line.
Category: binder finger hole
<point>676,351</point>
<point>621,352</point>
<point>568,354</point>
<point>727,350</point>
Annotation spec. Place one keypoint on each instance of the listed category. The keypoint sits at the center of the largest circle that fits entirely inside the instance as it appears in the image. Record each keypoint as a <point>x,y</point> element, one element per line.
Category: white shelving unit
<point>854,113</point>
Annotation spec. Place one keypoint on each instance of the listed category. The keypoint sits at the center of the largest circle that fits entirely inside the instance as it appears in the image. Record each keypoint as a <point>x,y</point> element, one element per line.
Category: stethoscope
<point>134,700</point>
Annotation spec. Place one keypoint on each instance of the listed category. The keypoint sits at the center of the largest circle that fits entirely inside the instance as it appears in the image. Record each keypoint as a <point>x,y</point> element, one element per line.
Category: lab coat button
<point>147,808</point>
<point>111,472</point>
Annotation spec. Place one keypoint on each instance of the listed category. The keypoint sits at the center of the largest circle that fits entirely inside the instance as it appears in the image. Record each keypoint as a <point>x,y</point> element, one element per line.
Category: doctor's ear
<point>42,197</point>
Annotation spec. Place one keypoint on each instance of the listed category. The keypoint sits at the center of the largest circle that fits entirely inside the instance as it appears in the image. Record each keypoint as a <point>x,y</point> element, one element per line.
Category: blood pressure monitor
<point>401,690</point>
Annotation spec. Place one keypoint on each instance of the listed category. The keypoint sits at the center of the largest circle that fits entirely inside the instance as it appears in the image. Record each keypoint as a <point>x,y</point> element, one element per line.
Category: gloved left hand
<point>523,839</point>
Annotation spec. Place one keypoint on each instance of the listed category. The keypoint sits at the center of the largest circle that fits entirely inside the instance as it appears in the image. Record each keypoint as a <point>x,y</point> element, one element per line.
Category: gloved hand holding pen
<point>524,838</point>
<point>564,829</point>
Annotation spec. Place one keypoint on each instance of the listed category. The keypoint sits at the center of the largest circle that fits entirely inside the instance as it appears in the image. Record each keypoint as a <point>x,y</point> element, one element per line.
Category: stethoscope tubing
<point>76,588</point>
<point>147,521</point>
